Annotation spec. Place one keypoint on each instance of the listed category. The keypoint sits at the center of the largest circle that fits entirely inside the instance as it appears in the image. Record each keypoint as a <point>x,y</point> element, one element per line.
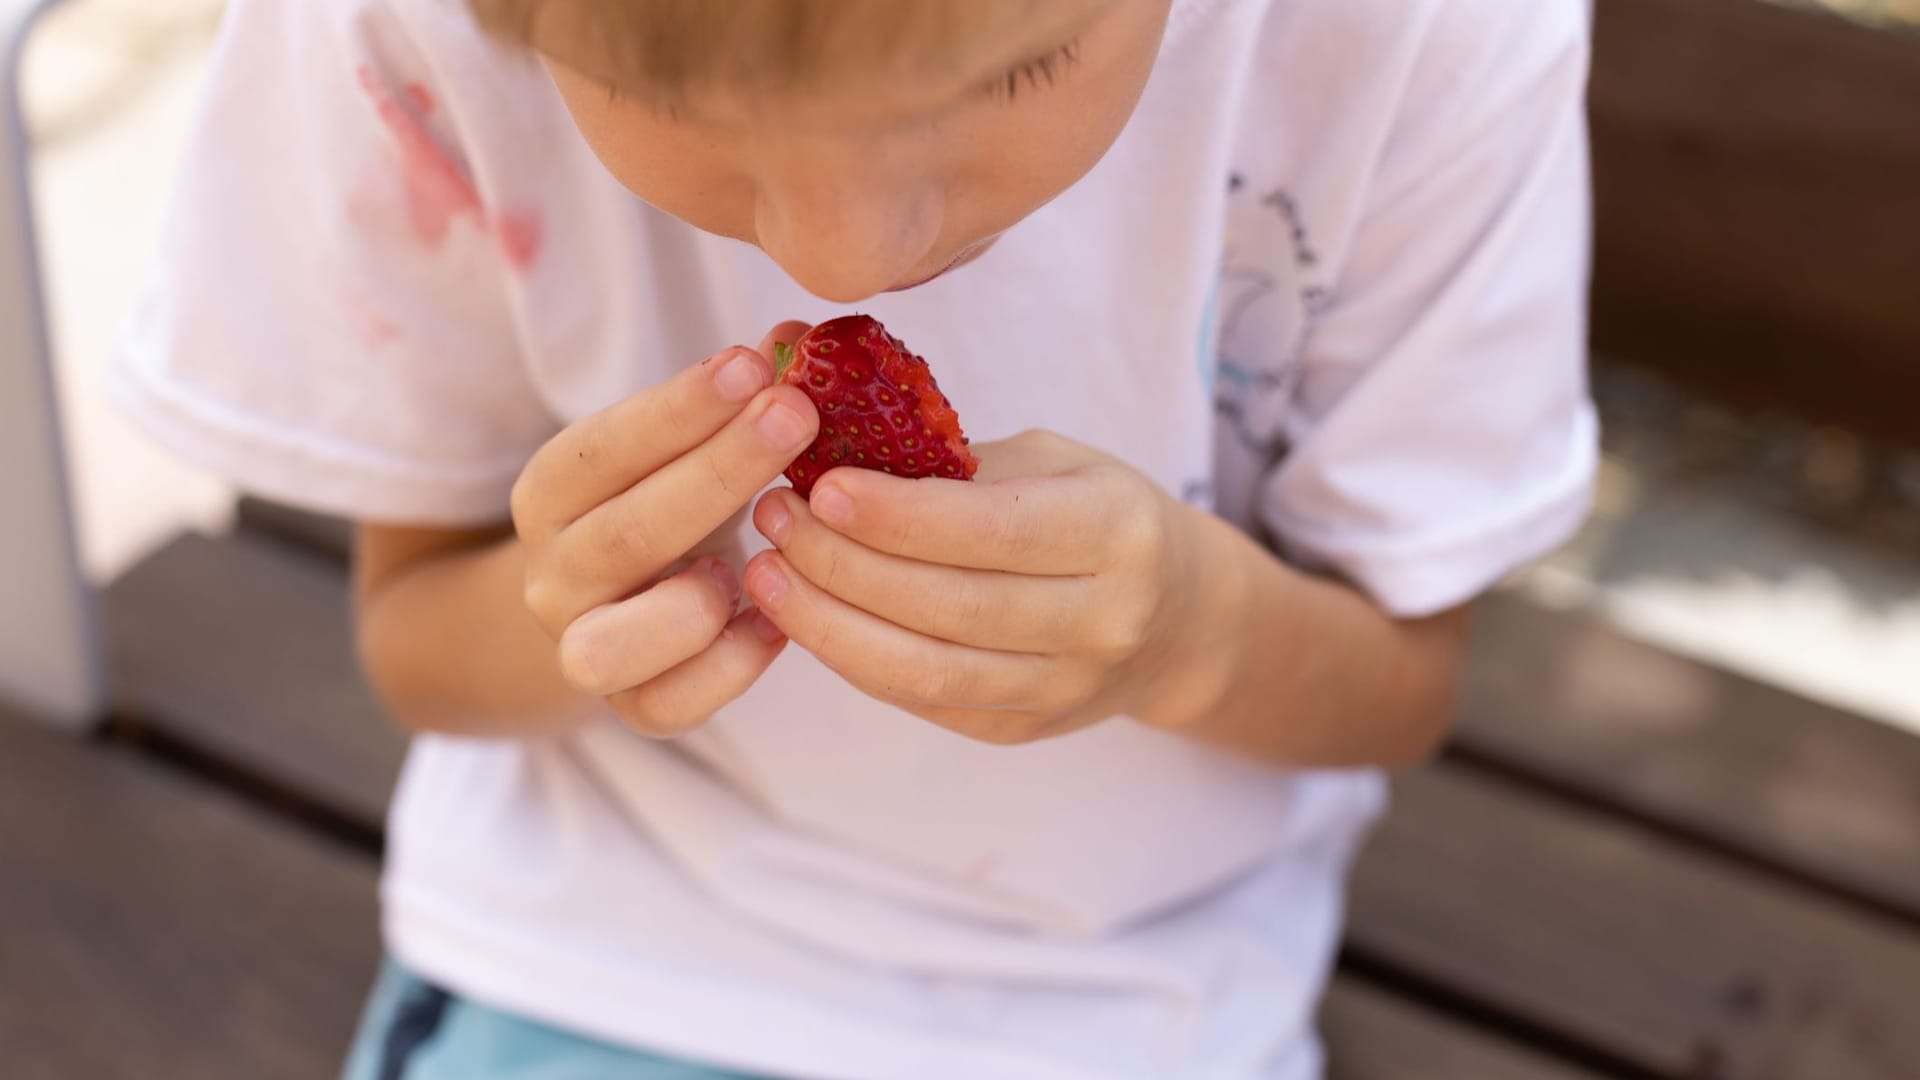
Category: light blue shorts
<point>413,1030</point>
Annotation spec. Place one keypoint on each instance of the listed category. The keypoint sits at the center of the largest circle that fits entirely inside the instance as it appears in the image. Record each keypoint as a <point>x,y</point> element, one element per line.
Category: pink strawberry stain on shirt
<point>370,325</point>
<point>438,192</point>
<point>519,233</point>
<point>981,869</point>
<point>377,331</point>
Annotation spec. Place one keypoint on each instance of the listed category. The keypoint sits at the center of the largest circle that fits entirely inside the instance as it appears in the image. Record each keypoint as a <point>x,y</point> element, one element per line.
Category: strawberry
<point>879,406</point>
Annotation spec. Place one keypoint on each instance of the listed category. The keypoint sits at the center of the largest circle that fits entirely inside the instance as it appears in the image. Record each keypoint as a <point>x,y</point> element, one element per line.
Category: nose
<point>847,222</point>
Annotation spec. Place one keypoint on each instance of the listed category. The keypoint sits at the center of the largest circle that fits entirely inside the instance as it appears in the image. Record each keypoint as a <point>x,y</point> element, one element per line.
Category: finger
<point>632,537</point>
<point>893,662</point>
<point>1055,525</point>
<point>621,645</point>
<point>986,608</point>
<point>591,461</point>
<point>688,694</point>
<point>595,458</point>
<point>996,727</point>
<point>1031,453</point>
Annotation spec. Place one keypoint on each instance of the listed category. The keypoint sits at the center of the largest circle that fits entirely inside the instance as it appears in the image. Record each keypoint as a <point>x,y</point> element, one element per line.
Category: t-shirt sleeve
<point>1441,431</point>
<point>331,318</point>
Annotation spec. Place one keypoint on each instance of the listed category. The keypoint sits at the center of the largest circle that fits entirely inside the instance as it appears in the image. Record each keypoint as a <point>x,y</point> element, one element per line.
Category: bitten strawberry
<point>879,406</point>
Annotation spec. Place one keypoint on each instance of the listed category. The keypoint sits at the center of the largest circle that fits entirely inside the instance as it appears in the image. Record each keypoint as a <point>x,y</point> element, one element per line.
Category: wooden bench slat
<point>1562,697</point>
<point>1622,939</point>
<point>151,926</point>
<point>330,537</point>
<point>1757,185</point>
<point>242,648</point>
<point>1372,1035</point>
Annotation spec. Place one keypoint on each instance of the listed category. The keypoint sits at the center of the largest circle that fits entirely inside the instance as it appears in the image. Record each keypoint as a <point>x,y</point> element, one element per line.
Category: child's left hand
<point>1060,588</point>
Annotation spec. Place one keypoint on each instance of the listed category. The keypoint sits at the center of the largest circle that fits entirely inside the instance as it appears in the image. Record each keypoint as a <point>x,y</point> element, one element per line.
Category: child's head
<point>865,145</point>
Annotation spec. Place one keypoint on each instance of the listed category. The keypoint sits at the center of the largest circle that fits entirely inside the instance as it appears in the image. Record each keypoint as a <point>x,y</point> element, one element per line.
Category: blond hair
<point>669,46</point>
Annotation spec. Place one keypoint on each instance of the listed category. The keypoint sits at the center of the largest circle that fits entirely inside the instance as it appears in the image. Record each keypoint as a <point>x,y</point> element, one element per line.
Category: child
<point>1054,774</point>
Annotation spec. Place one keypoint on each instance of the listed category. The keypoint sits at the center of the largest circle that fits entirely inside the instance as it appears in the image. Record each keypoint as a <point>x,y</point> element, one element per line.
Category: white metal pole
<point>50,654</point>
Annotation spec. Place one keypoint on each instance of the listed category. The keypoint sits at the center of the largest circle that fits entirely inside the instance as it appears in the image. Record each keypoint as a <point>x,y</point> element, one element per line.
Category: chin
<point>966,255</point>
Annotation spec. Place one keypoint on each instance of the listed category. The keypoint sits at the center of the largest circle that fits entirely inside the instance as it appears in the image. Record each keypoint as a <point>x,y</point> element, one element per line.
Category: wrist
<point>1215,592</point>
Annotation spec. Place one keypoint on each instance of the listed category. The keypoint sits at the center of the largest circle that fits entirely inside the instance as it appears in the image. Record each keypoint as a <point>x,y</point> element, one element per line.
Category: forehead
<point>739,56</point>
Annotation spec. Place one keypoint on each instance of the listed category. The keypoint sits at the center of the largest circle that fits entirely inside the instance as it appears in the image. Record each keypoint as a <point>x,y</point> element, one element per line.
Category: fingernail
<point>776,521</point>
<point>832,506</point>
<point>783,428</point>
<point>768,585</point>
<point>724,577</point>
<point>742,376</point>
<point>764,627</point>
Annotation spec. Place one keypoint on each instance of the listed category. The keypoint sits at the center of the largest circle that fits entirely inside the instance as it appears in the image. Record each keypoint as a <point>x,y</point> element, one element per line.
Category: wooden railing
<point>1757,169</point>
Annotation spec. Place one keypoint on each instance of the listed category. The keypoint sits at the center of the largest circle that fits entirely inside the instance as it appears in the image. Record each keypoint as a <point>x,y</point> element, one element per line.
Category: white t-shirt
<point>1329,281</point>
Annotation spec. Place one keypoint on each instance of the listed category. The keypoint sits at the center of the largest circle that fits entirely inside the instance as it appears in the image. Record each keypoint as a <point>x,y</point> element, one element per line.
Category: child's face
<point>884,183</point>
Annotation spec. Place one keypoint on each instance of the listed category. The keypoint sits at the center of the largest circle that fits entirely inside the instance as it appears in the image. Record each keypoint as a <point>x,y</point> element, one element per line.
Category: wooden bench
<point>153,925</point>
<point>1628,865</point>
<point>1757,179</point>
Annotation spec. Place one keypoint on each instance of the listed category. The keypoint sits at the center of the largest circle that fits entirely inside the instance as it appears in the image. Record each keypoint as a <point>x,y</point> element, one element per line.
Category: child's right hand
<point>610,505</point>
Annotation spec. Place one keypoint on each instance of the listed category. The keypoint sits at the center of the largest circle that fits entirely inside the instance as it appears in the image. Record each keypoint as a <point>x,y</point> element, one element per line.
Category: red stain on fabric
<point>438,191</point>
<point>364,316</point>
<point>981,869</point>
<point>519,233</point>
<point>377,332</point>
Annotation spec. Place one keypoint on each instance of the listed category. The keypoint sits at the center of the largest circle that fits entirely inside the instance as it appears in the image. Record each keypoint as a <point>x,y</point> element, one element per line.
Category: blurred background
<point>1721,675</point>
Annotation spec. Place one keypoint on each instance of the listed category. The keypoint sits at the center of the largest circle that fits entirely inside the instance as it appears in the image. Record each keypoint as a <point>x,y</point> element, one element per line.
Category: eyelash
<point>1040,70</point>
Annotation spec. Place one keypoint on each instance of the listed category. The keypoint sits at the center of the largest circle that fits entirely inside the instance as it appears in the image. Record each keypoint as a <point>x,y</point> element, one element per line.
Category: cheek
<point>1020,163</point>
<point>674,170</point>
<point>1023,154</point>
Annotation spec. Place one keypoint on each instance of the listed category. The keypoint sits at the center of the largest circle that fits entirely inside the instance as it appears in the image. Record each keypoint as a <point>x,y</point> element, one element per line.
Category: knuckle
<point>1048,440</point>
<point>1033,437</point>
<point>728,486</point>
<point>594,442</point>
<point>542,599</point>
<point>522,501</point>
<point>960,607</point>
<point>567,583</point>
<point>581,663</point>
<point>833,572</point>
<point>822,638</point>
<point>910,527</point>
<point>1121,628</point>
<point>625,545</point>
<point>711,607</point>
<point>1062,689</point>
<point>655,711</point>
<point>681,422</point>
<point>932,683</point>
<point>1002,729</point>
<point>1075,691</point>
<point>1007,531</point>
<point>1137,539</point>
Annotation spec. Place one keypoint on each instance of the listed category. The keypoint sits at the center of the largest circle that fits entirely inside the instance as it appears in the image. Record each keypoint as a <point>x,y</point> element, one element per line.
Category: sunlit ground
<point>1876,11</point>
